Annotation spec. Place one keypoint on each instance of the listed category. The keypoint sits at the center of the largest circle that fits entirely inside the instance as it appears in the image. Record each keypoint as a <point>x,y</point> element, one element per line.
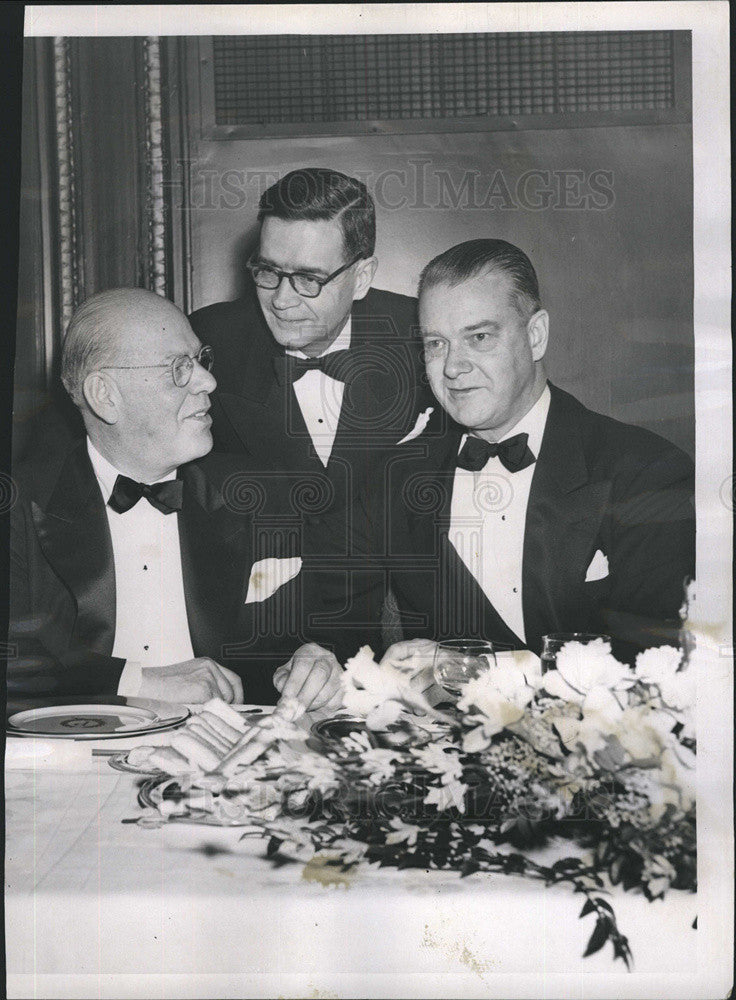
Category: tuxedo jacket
<point>253,413</point>
<point>62,582</point>
<point>256,415</point>
<point>609,537</point>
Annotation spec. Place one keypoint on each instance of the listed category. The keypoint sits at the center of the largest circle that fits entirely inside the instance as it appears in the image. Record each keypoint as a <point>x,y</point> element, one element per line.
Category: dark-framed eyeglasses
<point>307,285</point>
<point>181,367</point>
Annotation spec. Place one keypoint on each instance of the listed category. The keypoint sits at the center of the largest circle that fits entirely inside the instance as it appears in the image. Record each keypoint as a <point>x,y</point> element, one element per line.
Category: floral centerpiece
<point>594,755</point>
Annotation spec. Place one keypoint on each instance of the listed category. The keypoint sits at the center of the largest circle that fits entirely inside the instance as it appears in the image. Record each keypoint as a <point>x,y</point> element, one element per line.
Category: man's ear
<point>538,333</point>
<point>364,272</point>
<point>102,397</point>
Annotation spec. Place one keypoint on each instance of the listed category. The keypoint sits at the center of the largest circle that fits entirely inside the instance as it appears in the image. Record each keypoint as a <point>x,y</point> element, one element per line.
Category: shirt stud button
<point>145,567</point>
<point>503,517</point>
<point>145,647</point>
<point>320,420</point>
<point>516,590</point>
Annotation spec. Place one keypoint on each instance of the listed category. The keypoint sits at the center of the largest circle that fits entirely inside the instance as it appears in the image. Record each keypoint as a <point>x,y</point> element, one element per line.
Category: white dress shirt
<point>151,625</point>
<point>488,517</point>
<point>320,398</point>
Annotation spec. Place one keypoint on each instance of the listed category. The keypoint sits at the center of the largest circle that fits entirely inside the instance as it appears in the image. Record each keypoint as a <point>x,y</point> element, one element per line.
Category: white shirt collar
<point>106,473</point>
<point>532,423</point>
<point>340,343</point>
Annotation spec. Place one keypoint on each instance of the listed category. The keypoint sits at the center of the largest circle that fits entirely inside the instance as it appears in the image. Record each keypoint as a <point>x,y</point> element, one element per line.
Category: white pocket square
<point>267,575</point>
<point>598,569</point>
<point>422,421</point>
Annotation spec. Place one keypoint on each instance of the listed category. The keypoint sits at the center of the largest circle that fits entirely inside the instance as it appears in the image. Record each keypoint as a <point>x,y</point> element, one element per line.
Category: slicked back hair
<point>314,194</point>
<point>475,257</point>
<point>89,343</point>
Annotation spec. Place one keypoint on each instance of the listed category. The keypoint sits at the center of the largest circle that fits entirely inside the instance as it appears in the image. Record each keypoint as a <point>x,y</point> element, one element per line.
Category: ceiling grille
<point>291,79</point>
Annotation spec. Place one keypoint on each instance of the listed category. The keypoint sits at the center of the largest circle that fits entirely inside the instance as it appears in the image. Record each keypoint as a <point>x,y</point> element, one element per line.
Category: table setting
<point>466,813</point>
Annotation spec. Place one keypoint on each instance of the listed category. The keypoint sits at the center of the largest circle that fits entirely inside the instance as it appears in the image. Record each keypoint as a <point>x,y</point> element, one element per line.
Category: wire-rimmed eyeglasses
<point>267,276</point>
<point>181,367</point>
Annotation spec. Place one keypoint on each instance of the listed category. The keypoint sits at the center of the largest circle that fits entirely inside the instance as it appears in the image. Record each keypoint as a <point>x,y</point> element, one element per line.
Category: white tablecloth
<point>99,907</point>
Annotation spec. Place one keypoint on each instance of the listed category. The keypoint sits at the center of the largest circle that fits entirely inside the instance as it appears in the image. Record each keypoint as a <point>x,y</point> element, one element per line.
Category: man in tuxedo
<point>532,514</point>
<point>317,373</point>
<point>129,573</point>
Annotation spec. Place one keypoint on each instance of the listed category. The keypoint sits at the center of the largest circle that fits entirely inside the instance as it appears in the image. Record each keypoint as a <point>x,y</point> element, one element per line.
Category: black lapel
<point>421,473</point>
<point>74,535</point>
<point>273,431</point>
<point>464,610</point>
<point>467,610</point>
<point>564,514</point>
<point>215,556</point>
<point>458,605</point>
<point>380,403</point>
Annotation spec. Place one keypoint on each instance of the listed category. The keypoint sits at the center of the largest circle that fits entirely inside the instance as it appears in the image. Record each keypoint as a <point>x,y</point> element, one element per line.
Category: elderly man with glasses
<point>129,572</point>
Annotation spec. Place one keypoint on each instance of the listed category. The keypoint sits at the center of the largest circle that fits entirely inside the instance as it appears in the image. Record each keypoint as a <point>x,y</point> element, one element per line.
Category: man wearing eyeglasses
<point>318,372</point>
<point>129,573</point>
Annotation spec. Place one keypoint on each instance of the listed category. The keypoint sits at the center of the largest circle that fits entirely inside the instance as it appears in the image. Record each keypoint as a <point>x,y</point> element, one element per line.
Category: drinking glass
<point>457,661</point>
<point>554,642</point>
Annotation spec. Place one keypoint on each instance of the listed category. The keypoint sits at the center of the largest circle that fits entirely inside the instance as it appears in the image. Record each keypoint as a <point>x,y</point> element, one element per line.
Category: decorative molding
<point>70,257</point>
<point>156,277</point>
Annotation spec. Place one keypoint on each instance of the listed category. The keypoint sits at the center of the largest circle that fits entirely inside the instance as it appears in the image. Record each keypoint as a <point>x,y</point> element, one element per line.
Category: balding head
<point>133,365</point>
<point>111,328</point>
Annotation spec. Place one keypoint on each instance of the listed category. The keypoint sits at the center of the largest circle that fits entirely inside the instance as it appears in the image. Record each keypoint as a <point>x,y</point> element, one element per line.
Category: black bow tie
<point>289,369</point>
<point>513,453</point>
<point>166,497</point>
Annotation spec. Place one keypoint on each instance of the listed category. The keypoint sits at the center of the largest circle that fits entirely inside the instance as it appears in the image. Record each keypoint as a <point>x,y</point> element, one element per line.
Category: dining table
<point>99,905</point>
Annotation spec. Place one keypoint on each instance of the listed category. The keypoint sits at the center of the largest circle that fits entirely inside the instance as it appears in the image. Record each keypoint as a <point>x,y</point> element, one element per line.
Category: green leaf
<point>599,936</point>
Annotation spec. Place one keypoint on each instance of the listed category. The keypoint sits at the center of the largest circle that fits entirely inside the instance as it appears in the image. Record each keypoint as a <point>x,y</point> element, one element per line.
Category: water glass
<point>457,661</point>
<point>554,642</point>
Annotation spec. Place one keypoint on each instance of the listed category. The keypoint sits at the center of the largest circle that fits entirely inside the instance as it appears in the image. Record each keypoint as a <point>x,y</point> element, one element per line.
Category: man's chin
<point>199,446</point>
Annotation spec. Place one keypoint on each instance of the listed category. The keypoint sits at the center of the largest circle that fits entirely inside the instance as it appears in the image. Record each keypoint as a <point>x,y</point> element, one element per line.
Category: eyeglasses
<point>181,368</point>
<point>306,285</point>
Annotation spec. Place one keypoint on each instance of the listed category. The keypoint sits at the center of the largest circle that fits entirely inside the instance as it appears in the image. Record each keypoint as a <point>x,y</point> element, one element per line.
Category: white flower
<point>582,667</point>
<point>674,780</point>
<point>495,699</point>
<point>614,737</point>
<point>658,874</point>
<point>660,666</point>
<point>643,733</point>
<point>435,759</point>
<point>379,764</point>
<point>507,683</point>
<point>350,850</point>
<point>379,692</point>
<point>403,832</point>
<point>318,770</point>
<point>295,836</point>
<point>446,796</point>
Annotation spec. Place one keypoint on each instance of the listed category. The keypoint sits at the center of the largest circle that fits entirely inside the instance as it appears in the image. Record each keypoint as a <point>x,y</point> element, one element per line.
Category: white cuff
<point>130,679</point>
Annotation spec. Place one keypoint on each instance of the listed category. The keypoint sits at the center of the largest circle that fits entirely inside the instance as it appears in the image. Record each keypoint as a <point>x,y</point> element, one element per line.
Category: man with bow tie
<point>532,515</point>
<point>129,572</point>
<point>317,373</point>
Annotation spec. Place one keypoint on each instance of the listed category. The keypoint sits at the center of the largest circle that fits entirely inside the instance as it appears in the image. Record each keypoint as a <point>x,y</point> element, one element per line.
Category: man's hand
<point>312,677</point>
<point>415,657</point>
<point>191,682</point>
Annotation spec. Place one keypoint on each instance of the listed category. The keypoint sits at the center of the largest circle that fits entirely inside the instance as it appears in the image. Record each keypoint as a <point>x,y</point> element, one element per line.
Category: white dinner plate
<point>131,717</point>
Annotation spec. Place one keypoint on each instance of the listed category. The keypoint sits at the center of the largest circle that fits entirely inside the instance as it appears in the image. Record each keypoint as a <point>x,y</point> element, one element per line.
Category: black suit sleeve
<point>40,661</point>
<point>651,552</point>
